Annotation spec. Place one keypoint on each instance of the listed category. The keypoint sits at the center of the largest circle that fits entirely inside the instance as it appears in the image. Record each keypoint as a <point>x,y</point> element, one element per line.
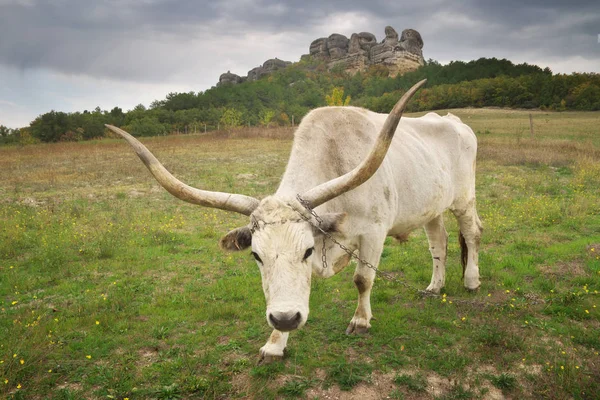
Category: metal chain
<point>389,277</point>
<point>353,254</point>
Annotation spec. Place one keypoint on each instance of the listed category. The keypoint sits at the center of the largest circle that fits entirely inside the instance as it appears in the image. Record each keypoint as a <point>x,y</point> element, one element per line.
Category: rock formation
<point>255,73</point>
<point>397,54</point>
<point>269,66</point>
<point>229,78</point>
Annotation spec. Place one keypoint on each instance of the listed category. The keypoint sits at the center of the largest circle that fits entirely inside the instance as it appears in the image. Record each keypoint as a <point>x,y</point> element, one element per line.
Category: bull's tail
<point>463,252</point>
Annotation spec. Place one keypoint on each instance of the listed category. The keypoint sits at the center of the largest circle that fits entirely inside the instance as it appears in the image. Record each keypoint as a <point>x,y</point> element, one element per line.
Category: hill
<point>286,95</point>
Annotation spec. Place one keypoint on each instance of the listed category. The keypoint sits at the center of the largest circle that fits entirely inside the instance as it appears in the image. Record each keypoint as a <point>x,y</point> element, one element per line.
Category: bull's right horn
<point>224,201</point>
<point>340,185</point>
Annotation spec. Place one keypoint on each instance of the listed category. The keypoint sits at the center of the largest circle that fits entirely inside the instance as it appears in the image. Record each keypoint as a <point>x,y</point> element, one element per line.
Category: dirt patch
<point>593,250</point>
<point>533,369</point>
<point>223,340</point>
<point>437,385</point>
<point>492,392</point>
<point>135,193</point>
<point>241,383</point>
<point>564,269</point>
<point>73,387</point>
<point>380,387</point>
<point>246,177</point>
<point>31,202</point>
<point>147,357</point>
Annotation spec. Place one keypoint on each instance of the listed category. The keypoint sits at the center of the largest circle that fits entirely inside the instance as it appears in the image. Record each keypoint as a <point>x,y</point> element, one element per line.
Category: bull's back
<point>417,178</point>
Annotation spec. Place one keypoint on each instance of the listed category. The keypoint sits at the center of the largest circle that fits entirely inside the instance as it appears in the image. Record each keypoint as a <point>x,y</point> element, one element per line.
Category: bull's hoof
<point>355,329</point>
<point>431,291</point>
<point>472,284</point>
<point>267,358</point>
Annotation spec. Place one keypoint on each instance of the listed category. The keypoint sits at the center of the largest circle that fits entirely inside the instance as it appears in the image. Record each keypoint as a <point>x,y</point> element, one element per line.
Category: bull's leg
<point>273,349</point>
<point>438,245</point>
<point>470,236</point>
<point>363,279</point>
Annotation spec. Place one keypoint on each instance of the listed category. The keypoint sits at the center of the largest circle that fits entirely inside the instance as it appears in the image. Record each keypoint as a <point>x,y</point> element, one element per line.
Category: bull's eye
<point>256,257</point>
<point>308,253</point>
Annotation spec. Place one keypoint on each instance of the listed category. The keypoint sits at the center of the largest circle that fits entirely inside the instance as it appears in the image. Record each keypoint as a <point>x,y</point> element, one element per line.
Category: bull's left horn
<point>224,201</point>
<point>335,187</point>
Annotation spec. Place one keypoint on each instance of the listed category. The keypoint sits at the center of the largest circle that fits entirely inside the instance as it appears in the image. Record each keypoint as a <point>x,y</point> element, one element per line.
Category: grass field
<point>112,289</point>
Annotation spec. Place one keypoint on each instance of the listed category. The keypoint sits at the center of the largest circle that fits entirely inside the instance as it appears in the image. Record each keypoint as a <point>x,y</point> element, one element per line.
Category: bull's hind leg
<point>438,245</point>
<point>470,236</point>
<point>363,279</point>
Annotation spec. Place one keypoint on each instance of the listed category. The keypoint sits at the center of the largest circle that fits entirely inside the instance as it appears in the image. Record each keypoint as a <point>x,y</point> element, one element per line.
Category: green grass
<point>414,383</point>
<point>110,288</point>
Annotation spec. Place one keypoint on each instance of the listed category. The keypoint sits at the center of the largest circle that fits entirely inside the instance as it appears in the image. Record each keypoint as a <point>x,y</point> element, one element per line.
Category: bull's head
<point>279,234</point>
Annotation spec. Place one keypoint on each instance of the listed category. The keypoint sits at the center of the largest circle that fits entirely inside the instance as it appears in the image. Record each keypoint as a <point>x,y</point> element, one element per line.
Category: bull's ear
<point>236,240</point>
<point>332,222</point>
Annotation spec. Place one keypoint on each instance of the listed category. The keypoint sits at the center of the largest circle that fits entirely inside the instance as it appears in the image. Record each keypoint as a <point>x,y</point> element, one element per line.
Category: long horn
<point>335,187</point>
<point>224,201</point>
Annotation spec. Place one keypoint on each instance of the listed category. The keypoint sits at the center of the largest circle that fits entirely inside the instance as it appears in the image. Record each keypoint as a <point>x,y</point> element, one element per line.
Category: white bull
<point>399,185</point>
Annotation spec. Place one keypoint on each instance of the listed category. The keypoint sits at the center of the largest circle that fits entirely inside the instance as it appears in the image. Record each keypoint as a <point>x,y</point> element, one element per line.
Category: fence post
<point>531,125</point>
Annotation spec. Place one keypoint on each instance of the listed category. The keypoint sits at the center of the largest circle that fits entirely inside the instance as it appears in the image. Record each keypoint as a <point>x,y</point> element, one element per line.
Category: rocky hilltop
<point>255,73</point>
<point>397,54</point>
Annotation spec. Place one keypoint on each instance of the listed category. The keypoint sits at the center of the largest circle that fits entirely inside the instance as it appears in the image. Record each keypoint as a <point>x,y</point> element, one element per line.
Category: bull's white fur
<point>430,167</point>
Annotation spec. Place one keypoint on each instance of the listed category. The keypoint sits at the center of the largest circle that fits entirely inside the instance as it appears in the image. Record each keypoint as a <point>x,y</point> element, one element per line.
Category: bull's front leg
<point>438,246</point>
<point>364,276</point>
<point>273,349</point>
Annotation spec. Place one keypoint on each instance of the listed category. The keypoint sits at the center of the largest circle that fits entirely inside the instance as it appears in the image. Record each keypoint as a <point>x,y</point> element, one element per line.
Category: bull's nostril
<point>285,322</point>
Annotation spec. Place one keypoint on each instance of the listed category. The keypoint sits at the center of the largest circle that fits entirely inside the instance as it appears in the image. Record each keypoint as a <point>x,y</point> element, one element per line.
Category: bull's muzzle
<point>285,321</point>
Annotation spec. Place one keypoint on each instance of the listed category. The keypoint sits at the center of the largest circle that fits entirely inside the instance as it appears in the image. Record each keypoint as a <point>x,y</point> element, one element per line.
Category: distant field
<point>111,288</point>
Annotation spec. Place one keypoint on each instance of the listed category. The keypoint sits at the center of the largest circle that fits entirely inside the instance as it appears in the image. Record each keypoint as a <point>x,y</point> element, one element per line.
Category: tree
<point>265,117</point>
<point>146,126</point>
<point>336,98</point>
<point>51,126</point>
<point>231,118</point>
<point>116,116</point>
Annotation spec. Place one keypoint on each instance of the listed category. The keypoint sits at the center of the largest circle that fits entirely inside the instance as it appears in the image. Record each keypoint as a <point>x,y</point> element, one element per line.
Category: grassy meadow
<point>112,289</point>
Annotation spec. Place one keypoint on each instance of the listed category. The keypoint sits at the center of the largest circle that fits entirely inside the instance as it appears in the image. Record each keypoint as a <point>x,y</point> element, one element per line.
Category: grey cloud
<point>162,39</point>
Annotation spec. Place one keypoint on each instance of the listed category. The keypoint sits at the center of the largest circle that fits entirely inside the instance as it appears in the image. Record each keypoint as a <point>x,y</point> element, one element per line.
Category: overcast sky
<point>72,55</point>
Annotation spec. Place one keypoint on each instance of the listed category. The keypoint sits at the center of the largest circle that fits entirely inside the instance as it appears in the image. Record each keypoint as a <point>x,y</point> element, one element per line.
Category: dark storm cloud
<point>152,39</point>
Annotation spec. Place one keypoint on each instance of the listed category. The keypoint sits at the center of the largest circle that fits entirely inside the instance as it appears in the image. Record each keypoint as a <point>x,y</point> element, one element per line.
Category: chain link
<point>353,254</point>
<point>423,293</point>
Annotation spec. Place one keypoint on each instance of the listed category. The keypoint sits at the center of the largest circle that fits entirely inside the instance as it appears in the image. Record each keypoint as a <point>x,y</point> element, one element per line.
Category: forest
<point>284,97</point>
